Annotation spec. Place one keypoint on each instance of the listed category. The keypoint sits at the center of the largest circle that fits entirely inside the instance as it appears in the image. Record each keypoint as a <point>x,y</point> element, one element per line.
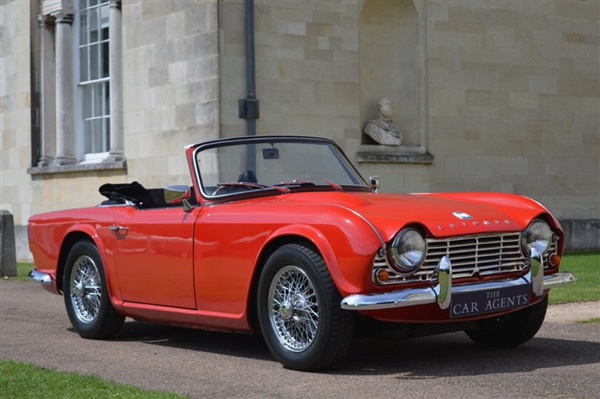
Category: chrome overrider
<point>40,277</point>
<point>442,292</point>
<point>45,280</point>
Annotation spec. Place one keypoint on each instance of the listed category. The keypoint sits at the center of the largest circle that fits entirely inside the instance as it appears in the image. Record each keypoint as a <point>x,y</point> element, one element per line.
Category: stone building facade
<point>489,96</point>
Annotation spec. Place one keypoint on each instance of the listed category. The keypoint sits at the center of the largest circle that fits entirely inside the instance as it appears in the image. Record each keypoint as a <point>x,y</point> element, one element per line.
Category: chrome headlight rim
<point>538,235</point>
<point>407,251</point>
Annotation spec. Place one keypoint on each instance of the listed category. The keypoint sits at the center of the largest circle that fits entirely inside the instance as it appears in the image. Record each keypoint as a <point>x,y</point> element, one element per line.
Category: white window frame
<point>92,149</point>
<point>61,126</point>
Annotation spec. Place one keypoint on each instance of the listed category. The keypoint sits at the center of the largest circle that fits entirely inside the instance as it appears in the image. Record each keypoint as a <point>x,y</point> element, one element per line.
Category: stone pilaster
<point>116,83</point>
<point>65,132</point>
<point>47,91</point>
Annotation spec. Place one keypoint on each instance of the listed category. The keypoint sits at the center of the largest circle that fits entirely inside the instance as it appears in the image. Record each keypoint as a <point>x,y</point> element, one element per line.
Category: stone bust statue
<point>383,130</point>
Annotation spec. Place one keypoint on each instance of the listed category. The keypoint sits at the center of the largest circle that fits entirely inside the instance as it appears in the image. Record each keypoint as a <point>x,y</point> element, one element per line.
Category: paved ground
<point>573,312</point>
<point>563,361</point>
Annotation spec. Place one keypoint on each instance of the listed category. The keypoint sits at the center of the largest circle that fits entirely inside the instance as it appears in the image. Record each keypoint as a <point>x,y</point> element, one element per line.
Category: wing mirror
<point>374,183</point>
<point>178,195</point>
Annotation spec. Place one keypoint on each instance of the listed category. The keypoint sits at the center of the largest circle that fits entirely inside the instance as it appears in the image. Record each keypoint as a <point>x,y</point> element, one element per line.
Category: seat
<point>248,177</point>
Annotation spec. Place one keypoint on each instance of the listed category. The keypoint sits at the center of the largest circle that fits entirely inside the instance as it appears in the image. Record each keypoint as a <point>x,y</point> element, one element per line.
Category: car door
<point>153,253</point>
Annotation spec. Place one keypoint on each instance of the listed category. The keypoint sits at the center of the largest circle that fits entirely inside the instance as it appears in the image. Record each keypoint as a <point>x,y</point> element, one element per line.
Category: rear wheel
<point>299,310</point>
<point>86,294</point>
<point>512,330</point>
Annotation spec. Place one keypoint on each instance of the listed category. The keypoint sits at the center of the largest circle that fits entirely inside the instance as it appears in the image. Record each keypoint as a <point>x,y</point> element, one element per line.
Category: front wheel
<point>86,294</point>
<point>299,310</point>
<point>512,330</point>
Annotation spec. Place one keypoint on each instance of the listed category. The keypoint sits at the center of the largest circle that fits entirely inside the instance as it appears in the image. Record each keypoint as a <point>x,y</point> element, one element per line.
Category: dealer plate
<point>465,304</point>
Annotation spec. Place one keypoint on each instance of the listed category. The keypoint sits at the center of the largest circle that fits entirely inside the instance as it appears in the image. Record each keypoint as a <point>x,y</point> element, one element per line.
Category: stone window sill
<point>90,167</point>
<point>393,154</point>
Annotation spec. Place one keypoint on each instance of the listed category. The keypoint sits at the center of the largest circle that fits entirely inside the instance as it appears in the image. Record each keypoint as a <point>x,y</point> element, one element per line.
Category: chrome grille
<point>480,255</point>
<point>471,256</point>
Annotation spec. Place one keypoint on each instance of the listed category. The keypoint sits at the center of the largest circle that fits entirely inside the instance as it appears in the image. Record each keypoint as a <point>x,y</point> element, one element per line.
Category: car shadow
<point>447,355</point>
<point>454,354</point>
<point>231,344</point>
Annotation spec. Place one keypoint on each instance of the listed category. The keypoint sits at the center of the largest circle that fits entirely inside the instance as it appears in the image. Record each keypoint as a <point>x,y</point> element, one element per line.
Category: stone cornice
<point>92,167</point>
<point>393,154</point>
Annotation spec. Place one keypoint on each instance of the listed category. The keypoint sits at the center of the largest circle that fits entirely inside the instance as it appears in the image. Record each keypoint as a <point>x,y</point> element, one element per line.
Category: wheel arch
<point>345,281</point>
<point>69,241</point>
<point>73,237</point>
<point>268,250</point>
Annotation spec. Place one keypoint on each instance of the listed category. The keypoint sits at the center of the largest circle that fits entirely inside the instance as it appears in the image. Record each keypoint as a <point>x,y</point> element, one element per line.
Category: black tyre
<point>299,310</point>
<point>512,330</point>
<point>86,294</point>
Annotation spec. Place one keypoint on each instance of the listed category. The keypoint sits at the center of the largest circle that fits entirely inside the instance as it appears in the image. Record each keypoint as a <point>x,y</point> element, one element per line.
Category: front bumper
<point>443,291</point>
<point>44,279</point>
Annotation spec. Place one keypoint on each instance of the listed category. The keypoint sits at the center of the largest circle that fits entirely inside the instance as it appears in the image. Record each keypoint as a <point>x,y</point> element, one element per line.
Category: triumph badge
<point>462,215</point>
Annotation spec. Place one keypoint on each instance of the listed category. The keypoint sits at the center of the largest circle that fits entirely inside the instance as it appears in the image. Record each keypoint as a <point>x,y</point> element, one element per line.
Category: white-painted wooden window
<point>93,91</point>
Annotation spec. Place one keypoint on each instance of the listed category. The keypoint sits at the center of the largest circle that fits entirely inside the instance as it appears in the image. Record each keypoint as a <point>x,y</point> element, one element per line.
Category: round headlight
<point>407,251</point>
<point>538,235</point>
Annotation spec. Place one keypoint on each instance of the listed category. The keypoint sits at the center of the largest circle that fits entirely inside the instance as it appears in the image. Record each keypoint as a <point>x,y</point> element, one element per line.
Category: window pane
<point>104,33</point>
<point>83,64</point>
<point>98,101</point>
<point>106,134</point>
<point>106,98</point>
<point>104,21</point>
<point>83,28</point>
<point>87,132</point>
<point>93,21</point>
<point>105,59</point>
<point>94,62</point>
<point>87,102</point>
<point>97,136</point>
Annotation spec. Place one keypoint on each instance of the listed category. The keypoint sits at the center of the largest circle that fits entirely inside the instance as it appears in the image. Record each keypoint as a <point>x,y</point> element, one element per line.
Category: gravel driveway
<point>562,361</point>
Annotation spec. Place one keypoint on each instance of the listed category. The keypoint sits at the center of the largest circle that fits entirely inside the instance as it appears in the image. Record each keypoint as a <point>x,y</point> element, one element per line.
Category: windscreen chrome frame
<point>346,164</point>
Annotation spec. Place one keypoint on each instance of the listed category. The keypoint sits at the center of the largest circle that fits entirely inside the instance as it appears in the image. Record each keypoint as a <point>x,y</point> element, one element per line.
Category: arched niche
<point>393,65</point>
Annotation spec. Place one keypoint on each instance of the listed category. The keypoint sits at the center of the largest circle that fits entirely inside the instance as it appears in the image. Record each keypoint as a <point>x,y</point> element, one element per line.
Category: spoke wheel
<point>299,310</point>
<point>293,309</point>
<point>85,289</point>
<point>86,294</point>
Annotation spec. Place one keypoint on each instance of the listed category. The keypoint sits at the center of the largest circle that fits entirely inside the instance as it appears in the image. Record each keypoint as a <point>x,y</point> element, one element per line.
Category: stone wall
<point>171,89</point>
<point>514,98</point>
<point>15,108</point>
<point>306,68</point>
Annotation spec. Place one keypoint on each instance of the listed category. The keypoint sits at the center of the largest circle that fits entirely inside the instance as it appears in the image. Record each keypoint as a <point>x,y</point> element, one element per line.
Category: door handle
<point>120,232</point>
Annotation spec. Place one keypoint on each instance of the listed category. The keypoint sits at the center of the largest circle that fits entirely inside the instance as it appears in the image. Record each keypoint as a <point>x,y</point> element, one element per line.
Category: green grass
<point>23,270</point>
<point>19,380</point>
<point>586,268</point>
<point>590,321</point>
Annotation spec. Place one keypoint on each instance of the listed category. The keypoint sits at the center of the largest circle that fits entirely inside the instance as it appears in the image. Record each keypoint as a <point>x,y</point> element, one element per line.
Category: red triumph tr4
<point>282,236</point>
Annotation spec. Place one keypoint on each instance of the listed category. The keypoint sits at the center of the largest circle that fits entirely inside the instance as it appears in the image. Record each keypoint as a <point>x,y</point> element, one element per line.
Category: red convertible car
<point>281,235</point>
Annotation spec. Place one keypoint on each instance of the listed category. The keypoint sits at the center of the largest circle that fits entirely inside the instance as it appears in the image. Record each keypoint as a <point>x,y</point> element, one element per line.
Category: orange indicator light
<point>554,260</point>
<point>383,275</point>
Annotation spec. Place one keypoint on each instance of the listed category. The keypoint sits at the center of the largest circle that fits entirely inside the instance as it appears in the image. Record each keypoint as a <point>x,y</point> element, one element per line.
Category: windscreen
<point>273,164</point>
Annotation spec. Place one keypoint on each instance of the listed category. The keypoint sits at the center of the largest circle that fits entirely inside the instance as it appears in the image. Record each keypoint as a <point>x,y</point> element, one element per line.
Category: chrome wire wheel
<point>293,309</point>
<point>298,310</point>
<point>86,289</point>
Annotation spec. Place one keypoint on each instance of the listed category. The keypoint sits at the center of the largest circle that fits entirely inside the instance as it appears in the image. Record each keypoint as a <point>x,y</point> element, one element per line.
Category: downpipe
<point>249,106</point>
